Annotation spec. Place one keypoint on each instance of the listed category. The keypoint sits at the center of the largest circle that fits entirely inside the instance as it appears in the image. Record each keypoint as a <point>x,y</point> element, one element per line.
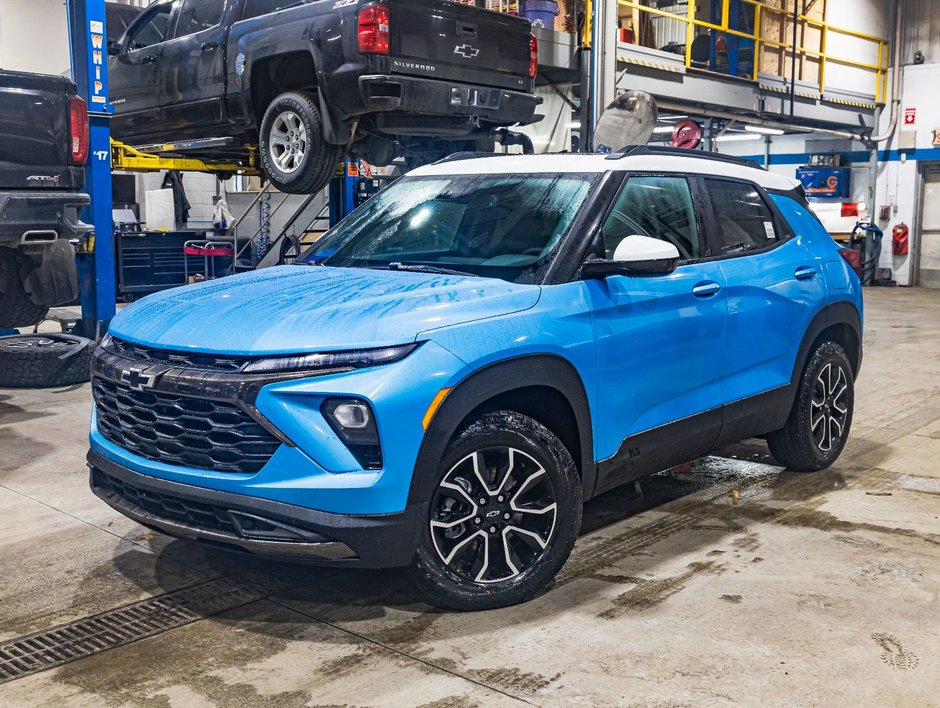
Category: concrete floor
<point>735,583</point>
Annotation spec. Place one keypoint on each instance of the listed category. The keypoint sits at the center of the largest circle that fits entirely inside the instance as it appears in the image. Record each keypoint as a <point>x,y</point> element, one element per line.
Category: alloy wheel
<point>829,410</point>
<point>288,139</point>
<point>493,515</point>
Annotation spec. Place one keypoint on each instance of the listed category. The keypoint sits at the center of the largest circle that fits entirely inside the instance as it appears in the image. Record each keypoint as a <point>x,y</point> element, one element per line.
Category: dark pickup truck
<point>43,145</point>
<point>306,80</point>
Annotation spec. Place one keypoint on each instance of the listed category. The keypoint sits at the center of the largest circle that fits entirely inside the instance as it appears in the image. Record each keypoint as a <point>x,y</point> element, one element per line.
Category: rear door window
<point>659,207</point>
<point>743,219</point>
<point>198,15</point>
<point>254,8</point>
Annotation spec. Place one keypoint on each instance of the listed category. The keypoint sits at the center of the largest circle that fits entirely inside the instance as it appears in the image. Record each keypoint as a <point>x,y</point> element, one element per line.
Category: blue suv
<point>446,376</point>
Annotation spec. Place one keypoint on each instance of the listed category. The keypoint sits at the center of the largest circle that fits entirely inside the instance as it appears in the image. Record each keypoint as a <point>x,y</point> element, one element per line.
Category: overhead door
<point>929,260</point>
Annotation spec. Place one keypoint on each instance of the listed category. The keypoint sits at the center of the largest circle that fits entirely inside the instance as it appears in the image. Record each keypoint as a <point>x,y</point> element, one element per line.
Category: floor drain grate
<point>83,637</point>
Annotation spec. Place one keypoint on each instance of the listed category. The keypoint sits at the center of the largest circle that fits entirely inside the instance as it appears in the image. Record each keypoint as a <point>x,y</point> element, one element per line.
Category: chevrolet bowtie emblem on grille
<point>138,381</point>
<point>466,51</point>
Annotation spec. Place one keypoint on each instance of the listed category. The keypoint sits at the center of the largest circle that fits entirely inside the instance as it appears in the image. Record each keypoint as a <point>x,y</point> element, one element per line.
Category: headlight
<point>358,359</point>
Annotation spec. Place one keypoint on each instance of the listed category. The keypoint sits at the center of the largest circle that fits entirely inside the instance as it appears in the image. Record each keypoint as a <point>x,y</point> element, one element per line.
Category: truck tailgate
<point>445,40</point>
<point>34,131</point>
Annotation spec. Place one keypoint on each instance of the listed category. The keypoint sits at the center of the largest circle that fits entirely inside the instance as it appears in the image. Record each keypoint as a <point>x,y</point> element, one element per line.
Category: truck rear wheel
<point>294,154</point>
<point>16,308</point>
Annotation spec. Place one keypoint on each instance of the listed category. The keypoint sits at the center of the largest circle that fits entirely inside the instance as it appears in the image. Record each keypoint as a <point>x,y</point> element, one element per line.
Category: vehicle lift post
<point>342,194</point>
<point>88,47</point>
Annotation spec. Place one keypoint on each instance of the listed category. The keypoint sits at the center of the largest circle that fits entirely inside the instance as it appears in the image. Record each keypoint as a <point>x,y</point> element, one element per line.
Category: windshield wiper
<point>426,268</point>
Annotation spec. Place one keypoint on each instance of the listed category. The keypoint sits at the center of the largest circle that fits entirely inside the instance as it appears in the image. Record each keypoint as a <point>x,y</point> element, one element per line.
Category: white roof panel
<point>593,164</point>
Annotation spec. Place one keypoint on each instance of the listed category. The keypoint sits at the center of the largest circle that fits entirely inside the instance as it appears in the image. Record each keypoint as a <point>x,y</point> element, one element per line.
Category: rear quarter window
<point>743,220</point>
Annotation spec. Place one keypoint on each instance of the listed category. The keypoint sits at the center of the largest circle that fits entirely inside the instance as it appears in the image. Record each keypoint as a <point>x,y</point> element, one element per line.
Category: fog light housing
<point>353,421</point>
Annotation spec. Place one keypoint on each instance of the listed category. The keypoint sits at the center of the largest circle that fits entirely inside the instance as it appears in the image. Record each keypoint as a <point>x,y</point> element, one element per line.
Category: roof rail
<point>634,150</point>
<point>467,155</point>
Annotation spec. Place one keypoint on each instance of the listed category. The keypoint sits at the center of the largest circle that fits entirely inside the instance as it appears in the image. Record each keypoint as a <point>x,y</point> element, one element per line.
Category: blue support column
<point>342,192</point>
<point>89,52</point>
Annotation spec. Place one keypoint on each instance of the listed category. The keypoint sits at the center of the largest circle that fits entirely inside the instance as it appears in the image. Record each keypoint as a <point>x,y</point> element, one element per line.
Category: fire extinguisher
<point>899,240</point>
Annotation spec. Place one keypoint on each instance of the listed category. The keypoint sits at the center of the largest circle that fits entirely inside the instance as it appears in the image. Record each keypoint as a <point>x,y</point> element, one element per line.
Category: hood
<point>289,309</point>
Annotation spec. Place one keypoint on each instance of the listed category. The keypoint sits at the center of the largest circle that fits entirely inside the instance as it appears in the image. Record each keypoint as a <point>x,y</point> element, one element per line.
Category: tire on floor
<point>44,360</point>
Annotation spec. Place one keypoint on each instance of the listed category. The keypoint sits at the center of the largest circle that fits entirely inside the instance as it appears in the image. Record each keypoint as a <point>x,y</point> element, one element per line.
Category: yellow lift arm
<point>125,158</point>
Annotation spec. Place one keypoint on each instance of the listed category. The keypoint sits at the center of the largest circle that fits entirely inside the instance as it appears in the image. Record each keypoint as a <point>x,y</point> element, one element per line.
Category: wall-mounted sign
<point>910,116</point>
<point>936,137</point>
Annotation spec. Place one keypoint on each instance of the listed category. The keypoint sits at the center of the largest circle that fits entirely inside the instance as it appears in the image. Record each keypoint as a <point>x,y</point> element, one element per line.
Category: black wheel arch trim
<point>841,312</point>
<point>503,377</point>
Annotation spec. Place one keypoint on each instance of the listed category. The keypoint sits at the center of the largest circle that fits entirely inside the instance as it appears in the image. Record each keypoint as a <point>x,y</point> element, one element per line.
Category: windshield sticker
<point>769,229</point>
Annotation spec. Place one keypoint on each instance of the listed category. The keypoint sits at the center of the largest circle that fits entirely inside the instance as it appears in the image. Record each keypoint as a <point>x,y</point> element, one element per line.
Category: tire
<point>289,249</point>
<point>16,308</point>
<point>44,360</point>
<point>819,423</point>
<point>534,508</point>
<point>294,155</point>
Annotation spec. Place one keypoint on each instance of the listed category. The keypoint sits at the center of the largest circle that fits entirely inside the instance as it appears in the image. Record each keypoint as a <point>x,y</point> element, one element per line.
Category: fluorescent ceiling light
<point>664,129</point>
<point>735,137</point>
<point>761,130</point>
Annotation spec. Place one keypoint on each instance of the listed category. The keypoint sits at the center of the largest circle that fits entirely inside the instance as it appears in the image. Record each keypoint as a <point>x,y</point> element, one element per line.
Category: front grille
<point>186,360</point>
<point>186,511</point>
<point>180,430</point>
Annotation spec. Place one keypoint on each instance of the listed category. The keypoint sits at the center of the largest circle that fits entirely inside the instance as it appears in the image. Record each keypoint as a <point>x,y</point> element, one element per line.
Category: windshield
<point>504,226</point>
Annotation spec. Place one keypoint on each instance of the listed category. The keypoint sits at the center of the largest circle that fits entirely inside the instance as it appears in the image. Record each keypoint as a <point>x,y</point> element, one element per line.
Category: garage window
<point>659,207</point>
<point>744,221</point>
<point>198,15</point>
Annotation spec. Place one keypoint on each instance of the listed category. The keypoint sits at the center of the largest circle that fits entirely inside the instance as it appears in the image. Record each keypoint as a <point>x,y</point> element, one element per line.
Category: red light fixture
<point>373,29</point>
<point>533,56</point>
<point>78,130</point>
<point>849,209</point>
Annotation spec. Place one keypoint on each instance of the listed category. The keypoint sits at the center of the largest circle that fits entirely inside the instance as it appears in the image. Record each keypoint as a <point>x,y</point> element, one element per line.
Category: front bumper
<point>311,468</point>
<point>435,98</point>
<point>39,217</point>
<point>258,526</point>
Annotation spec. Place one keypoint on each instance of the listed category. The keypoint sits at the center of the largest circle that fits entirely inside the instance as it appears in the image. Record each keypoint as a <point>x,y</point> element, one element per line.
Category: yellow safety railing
<point>826,29</point>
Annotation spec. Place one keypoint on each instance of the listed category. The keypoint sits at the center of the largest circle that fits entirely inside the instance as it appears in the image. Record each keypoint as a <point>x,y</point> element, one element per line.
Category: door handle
<point>208,46</point>
<point>706,288</point>
<point>804,273</point>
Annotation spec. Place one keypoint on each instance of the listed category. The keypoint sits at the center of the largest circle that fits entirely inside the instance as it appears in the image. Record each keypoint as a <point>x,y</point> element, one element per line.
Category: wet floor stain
<point>513,680</point>
<point>650,593</point>
<point>894,654</point>
<point>749,542</point>
<point>451,702</point>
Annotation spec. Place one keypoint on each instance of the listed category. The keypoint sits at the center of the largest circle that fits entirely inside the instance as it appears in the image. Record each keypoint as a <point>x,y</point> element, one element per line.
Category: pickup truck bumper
<point>36,218</point>
<point>429,97</point>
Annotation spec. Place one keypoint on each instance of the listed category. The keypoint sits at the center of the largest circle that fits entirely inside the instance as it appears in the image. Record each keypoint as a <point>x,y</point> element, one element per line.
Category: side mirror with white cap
<point>635,255</point>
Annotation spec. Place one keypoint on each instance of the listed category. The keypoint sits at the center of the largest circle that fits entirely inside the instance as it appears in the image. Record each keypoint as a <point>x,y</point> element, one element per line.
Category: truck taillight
<point>533,56</point>
<point>853,258</point>
<point>373,29</point>
<point>78,131</point>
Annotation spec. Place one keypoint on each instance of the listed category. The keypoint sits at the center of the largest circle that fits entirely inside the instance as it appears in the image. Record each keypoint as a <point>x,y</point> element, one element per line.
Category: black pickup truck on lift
<point>43,145</point>
<point>306,80</point>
